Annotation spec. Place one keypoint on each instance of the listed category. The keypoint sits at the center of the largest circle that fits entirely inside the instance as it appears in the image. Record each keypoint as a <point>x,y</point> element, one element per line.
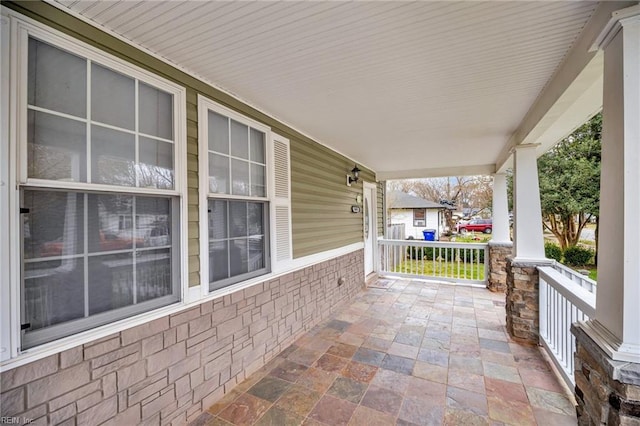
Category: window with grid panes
<point>99,204</point>
<point>238,207</point>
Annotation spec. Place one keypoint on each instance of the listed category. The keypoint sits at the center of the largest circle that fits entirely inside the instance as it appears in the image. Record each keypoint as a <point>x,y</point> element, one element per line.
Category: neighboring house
<point>417,214</point>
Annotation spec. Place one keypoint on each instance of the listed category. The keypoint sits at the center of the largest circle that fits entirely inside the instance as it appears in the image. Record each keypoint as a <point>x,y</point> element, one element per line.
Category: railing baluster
<point>448,261</point>
<point>565,330</point>
<point>563,301</point>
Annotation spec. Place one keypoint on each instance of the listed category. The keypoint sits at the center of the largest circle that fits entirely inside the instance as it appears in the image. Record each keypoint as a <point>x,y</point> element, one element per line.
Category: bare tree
<point>479,193</point>
<point>473,192</point>
<point>404,185</point>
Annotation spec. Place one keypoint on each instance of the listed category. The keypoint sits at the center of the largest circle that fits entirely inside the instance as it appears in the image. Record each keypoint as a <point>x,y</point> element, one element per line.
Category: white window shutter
<point>282,247</point>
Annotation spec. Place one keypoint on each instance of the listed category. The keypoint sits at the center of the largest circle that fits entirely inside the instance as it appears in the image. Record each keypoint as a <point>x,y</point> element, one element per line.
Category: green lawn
<point>441,269</point>
<point>472,237</point>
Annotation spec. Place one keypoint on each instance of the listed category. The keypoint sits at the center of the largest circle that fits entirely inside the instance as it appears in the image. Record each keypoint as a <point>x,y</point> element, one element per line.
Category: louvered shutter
<point>282,250</point>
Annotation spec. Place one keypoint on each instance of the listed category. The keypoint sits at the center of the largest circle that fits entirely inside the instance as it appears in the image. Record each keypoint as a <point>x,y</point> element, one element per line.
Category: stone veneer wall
<point>169,370</point>
<point>607,392</point>
<point>498,253</point>
<point>522,302</point>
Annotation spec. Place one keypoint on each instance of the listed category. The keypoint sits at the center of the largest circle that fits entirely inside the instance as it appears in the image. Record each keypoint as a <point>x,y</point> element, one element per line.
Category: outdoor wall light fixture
<point>356,175</point>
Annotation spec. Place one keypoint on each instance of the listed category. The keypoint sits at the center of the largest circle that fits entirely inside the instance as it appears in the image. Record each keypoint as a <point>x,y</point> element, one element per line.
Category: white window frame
<point>416,222</point>
<point>204,106</point>
<point>14,60</point>
<point>6,323</point>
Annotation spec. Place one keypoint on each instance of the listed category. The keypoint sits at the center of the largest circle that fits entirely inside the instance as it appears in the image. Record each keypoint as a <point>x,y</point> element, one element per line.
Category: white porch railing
<point>562,302</point>
<point>454,262</point>
<point>575,276</point>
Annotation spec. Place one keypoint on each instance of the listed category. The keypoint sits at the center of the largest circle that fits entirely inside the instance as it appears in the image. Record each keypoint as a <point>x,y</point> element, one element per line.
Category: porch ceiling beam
<point>484,169</point>
<point>572,95</point>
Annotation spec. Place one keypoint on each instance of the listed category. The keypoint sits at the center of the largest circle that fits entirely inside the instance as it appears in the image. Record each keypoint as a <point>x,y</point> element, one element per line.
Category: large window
<point>419,217</point>
<point>99,190</point>
<point>238,206</point>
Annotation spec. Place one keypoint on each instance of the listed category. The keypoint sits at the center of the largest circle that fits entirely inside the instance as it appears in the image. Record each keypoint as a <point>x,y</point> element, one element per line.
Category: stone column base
<point>607,391</point>
<point>522,301</point>
<point>498,253</point>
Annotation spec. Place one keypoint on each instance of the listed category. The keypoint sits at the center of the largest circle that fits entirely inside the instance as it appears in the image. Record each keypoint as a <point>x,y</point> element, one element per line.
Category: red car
<point>108,242</point>
<point>476,225</point>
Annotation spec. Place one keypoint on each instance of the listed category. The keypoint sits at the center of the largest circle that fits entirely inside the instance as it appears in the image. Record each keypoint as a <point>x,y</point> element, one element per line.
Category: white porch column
<point>609,343</point>
<point>500,233</point>
<point>616,327</point>
<point>500,246</point>
<point>528,243</point>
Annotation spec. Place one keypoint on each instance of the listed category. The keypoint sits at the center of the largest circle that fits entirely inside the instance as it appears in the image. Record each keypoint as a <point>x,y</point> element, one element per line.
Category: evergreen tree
<point>569,177</point>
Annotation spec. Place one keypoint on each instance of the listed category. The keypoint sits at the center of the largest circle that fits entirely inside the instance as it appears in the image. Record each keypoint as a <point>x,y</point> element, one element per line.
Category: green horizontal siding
<point>321,201</point>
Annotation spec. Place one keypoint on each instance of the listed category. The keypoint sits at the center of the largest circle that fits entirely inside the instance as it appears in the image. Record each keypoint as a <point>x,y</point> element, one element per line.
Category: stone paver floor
<point>405,353</point>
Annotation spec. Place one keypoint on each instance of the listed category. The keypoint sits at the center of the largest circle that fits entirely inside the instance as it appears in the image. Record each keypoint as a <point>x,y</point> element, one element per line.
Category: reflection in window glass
<point>240,177</point>
<point>258,188</point>
<point>153,222</point>
<point>155,169</point>
<point>156,112</point>
<point>239,140</point>
<point>238,219</point>
<point>218,174</point>
<point>112,98</point>
<point>257,146</point>
<point>113,155</point>
<point>256,254</point>
<point>98,252</point>
<point>243,171</point>
<point>238,257</point>
<point>153,274</point>
<point>218,260</point>
<point>111,284</point>
<point>255,217</point>
<point>105,215</point>
<point>218,129</point>
<point>218,219</point>
<point>53,292</point>
<point>237,241</point>
<point>57,147</point>
<point>122,256</point>
<point>57,79</point>
<point>119,153</point>
<point>54,226</point>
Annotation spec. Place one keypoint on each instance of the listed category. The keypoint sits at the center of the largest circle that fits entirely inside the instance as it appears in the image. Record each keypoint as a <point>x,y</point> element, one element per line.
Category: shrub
<point>577,256</point>
<point>552,251</point>
<point>414,253</point>
<point>446,254</point>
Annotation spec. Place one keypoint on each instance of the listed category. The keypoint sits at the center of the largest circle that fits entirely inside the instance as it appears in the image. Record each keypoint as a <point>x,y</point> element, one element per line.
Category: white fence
<point>563,301</point>
<point>455,262</point>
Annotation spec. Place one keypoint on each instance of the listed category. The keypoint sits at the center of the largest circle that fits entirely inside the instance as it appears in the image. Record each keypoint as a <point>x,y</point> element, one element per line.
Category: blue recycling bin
<point>429,234</point>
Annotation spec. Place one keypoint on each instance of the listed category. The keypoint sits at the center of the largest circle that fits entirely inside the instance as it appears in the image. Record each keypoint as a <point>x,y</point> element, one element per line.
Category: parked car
<point>476,225</point>
<point>158,236</point>
<point>108,242</point>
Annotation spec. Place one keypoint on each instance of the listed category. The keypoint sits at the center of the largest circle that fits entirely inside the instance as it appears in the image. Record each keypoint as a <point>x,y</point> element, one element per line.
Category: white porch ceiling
<point>394,85</point>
